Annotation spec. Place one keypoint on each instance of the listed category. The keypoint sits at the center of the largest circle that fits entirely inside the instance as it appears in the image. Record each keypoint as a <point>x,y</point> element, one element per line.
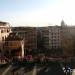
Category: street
<point>53,69</point>
<point>34,69</point>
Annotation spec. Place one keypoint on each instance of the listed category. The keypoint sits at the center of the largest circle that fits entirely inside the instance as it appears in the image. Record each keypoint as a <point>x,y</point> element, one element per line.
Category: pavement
<point>35,69</point>
<point>6,70</point>
<point>73,72</point>
<point>3,62</point>
<point>28,69</point>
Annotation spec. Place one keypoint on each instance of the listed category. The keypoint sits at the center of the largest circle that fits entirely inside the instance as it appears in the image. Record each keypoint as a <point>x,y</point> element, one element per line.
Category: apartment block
<point>29,34</point>
<point>68,40</point>
<point>14,43</point>
<point>51,36</point>
<point>59,37</point>
<point>5,29</point>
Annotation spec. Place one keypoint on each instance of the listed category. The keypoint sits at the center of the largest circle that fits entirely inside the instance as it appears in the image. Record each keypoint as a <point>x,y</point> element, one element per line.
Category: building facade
<point>29,34</point>
<point>52,37</point>
<point>60,38</point>
<point>14,43</point>
<point>68,40</point>
<point>5,29</point>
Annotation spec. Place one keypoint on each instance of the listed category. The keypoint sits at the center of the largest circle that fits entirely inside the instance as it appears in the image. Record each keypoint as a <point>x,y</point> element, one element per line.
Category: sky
<point>37,12</point>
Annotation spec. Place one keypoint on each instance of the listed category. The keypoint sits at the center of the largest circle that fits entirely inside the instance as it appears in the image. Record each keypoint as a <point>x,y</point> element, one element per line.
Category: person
<point>17,74</point>
<point>64,73</point>
<point>37,72</point>
<point>23,73</point>
<point>67,70</point>
<point>13,73</point>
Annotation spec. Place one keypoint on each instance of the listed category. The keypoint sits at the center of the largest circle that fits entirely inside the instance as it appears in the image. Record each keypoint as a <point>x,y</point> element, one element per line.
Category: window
<point>2,38</point>
<point>52,43</point>
<point>26,46</point>
<point>55,36</point>
<point>58,46</point>
<point>51,46</point>
<point>34,31</point>
<point>55,46</point>
<point>25,32</point>
<point>34,34</point>
<point>5,31</point>
<point>22,42</point>
<point>65,42</point>
<point>29,35</point>
<point>1,31</point>
<point>26,42</point>
<point>46,43</point>
<point>10,43</point>
<point>34,41</point>
<point>51,33</point>
<point>58,36</point>
<point>6,43</point>
<point>73,43</point>
<point>5,37</point>
<point>51,36</point>
<point>7,51</point>
<point>3,46</point>
<point>20,33</point>
<point>34,45</point>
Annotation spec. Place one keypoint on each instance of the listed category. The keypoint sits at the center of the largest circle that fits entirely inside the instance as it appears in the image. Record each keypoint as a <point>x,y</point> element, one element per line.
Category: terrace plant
<point>40,55</point>
<point>17,54</point>
<point>53,55</point>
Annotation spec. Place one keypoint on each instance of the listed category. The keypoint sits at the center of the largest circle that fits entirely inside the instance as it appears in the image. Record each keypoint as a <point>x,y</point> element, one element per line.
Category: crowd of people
<point>18,73</point>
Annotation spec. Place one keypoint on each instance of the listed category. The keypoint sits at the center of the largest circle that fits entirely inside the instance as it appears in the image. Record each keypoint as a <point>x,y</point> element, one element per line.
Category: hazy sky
<point>37,12</point>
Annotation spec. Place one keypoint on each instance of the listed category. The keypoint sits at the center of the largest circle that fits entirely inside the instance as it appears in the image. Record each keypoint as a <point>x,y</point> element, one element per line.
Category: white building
<point>52,37</point>
<point>55,38</point>
<point>4,32</point>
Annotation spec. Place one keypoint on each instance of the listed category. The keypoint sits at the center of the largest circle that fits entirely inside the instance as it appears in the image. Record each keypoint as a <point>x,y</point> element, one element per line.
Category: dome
<point>62,23</point>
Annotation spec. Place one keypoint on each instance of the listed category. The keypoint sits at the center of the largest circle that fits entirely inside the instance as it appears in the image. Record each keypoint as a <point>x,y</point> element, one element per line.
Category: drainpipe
<point>0,53</point>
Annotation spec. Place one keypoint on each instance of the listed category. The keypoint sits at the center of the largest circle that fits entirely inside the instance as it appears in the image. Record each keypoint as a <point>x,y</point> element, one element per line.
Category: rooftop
<point>13,37</point>
<point>3,23</point>
<point>68,36</point>
<point>22,28</point>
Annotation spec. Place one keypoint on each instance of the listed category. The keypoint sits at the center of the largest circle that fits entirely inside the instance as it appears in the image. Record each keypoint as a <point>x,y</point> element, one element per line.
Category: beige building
<point>68,39</point>
<point>14,43</point>
<point>4,32</point>
<point>29,34</point>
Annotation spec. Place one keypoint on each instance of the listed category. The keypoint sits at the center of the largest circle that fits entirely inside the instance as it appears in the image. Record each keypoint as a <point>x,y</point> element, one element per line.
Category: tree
<point>40,40</point>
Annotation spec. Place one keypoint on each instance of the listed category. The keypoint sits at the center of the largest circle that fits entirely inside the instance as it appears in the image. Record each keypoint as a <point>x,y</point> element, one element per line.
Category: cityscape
<point>37,50</point>
<point>37,37</point>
